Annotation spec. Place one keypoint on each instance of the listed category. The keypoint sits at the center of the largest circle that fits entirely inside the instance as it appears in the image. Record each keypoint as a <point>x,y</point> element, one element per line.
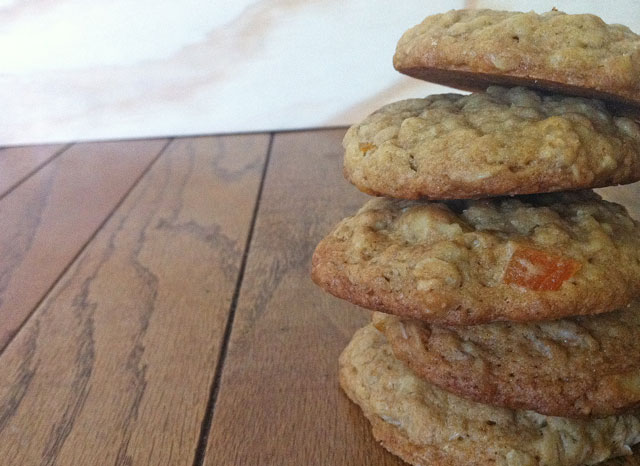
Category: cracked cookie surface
<point>499,142</point>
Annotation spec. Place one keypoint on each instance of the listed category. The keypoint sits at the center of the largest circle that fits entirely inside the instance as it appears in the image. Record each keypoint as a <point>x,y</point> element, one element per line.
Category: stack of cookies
<point>507,331</point>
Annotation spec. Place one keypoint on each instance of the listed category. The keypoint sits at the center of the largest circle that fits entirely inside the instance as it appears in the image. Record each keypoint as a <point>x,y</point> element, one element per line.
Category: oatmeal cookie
<point>425,425</point>
<point>528,258</point>
<point>569,54</point>
<point>498,142</point>
<point>573,367</point>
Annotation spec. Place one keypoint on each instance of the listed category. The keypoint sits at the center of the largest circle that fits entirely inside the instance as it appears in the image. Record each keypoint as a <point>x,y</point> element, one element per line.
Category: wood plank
<point>115,366</point>
<point>47,219</point>
<point>18,162</point>
<point>279,401</point>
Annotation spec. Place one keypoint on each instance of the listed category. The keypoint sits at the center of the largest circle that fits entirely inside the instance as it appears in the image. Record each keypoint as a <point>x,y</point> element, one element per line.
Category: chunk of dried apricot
<point>366,147</point>
<point>538,270</point>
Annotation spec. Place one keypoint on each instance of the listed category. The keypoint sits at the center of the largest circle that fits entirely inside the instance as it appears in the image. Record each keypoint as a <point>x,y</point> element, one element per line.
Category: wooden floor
<point>156,306</point>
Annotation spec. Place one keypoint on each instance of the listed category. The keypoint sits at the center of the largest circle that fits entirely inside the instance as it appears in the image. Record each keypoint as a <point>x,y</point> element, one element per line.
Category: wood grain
<point>116,364</point>
<point>47,219</point>
<point>279,401</point>
<point>16,163</point>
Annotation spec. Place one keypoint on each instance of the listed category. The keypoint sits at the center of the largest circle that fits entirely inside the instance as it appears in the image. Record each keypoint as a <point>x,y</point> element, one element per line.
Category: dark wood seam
<point>84,246</point>
<point>205,428</point>
<point>35,170</point>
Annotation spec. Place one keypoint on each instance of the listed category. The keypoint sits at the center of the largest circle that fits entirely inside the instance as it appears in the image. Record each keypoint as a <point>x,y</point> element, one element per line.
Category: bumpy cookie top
<point>463,262</point>
<point>426,425</point>
<point>578,54</point>
<point>571,367</point>
<point>503,141</point>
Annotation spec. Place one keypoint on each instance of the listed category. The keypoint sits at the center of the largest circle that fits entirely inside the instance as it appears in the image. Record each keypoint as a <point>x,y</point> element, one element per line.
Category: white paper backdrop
<point>103,69</point>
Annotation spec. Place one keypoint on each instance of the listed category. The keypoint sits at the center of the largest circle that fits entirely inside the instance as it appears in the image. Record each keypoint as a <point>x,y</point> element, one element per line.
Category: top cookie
<point>571,54</point>
<point>499,142</point>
